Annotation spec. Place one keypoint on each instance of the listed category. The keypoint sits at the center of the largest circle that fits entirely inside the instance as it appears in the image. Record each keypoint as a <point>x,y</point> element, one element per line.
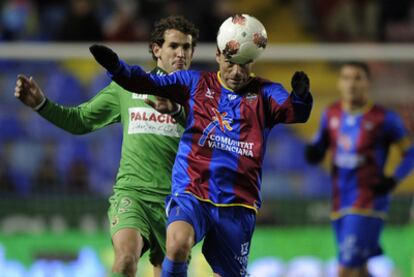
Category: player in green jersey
<point>150,140</point>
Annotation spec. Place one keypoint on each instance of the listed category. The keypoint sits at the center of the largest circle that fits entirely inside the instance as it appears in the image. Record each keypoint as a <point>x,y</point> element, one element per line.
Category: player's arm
<point>316,150</point>
<point>396,133</point>
<point>289,108</point>
<point>166,106</point>
<point>175,86</point>
<point>100,111</point>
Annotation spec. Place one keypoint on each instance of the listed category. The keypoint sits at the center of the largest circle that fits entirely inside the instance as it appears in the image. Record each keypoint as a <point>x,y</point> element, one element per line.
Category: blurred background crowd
<point>129,20</point>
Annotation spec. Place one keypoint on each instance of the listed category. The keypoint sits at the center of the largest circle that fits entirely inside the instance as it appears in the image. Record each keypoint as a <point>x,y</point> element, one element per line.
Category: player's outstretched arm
<point>106,57</point>
<point>135,79</point>
<point>28,92</point>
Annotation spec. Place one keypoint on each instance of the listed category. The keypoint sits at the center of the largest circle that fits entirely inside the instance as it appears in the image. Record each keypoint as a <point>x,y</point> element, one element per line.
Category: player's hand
<point>384,186</point>
<point>163,105</point>
<point>28,92</point>
<point>312,155</point>
<point>300,83</point>
<point>105,57</point>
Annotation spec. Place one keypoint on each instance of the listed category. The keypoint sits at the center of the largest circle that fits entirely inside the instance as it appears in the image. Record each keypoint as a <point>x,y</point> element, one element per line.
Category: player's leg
<point>186,226</point>
<point>157,221</point>
<point>157,271</point>
<point>358,240</point>
<point>226,246</point>
<point>128,244</point>
<point>180,240</point>
<point>129,231</point>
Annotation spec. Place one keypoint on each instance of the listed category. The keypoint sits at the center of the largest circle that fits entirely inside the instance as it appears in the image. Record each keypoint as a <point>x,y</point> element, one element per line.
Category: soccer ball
<point>241,38</point>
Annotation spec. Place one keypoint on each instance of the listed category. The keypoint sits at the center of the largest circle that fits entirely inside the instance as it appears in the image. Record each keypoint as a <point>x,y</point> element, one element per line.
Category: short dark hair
<point>362,65</point>
<point>174,22</point>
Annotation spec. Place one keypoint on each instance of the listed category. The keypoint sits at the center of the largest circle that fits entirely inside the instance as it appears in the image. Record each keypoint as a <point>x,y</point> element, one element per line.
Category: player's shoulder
<point>189,72</point>
<point>267,86</point>
<point>385,112</point>
<point>334,107</point>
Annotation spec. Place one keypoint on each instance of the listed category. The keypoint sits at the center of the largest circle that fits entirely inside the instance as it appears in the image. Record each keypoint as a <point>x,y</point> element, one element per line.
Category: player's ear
<point>156,49</point>
<point>218,54</point>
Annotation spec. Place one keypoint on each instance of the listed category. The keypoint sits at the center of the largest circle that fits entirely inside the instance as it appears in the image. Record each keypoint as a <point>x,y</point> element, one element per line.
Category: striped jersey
<point>359,143</point>
<point>220,154</point>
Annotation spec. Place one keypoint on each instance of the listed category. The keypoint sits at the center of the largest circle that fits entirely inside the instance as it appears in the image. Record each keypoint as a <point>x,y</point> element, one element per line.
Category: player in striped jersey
<point>217,172</point>
<point>359,134</point>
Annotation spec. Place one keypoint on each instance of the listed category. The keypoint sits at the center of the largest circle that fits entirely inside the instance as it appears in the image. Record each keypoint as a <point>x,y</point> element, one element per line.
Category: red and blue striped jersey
<point>220,155</point>
<point>359,143</point>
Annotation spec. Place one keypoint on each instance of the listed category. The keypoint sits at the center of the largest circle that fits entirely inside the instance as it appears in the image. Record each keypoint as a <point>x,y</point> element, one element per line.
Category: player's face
<point>234,76</point>
<point>175,53</point>
<point>353,84</point>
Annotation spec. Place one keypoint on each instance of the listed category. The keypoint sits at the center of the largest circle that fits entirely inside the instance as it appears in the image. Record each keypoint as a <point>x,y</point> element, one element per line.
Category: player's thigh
<point>226,246</point>
<point>358,239</point>
<point>188,218</point>
<point>128,217</point>
<point>157,239</point>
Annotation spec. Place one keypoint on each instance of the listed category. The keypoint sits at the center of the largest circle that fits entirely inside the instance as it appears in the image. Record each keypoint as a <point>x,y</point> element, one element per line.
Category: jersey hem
<point>222,204</point>
<point>354,211</point>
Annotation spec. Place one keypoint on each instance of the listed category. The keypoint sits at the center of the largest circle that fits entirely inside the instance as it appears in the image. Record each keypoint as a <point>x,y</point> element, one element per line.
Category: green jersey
<point>150,139</point>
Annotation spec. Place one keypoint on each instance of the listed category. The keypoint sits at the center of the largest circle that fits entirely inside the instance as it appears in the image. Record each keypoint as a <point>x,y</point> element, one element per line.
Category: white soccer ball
<point>241,38</point>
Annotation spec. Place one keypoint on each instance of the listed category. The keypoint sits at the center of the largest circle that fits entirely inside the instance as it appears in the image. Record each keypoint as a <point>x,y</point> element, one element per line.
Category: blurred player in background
<point>359,134</point>
<point>150,140</point>
<point>217,172</point>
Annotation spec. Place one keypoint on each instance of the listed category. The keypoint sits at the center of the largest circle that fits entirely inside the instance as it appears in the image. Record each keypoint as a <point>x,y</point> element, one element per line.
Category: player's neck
<point>356,106</point>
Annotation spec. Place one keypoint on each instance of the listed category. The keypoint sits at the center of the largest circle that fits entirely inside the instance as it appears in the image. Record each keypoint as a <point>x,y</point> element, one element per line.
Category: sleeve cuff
<point>41,105</point>
<point>178,111</point>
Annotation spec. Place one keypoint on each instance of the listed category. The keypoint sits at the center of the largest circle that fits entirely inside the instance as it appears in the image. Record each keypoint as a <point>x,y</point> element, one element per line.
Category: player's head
<point>172,43</point>
<point>354,82</point>
<point>233,75</point>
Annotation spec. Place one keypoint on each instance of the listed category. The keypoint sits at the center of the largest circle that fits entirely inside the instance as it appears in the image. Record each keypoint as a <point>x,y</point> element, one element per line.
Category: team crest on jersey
<point>251,96</point>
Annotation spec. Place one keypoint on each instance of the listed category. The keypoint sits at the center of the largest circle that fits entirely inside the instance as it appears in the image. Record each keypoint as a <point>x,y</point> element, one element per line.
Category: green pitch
<point>284,243</point>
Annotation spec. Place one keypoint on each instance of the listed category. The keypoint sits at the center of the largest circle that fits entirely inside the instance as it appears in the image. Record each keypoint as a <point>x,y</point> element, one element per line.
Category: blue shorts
<point>357,238</point>
<point>227,231</point>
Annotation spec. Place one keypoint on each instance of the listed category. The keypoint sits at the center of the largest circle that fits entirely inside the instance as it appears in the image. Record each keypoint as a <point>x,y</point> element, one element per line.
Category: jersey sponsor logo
<point>148,121</point>
<point>139,96</point>
<point>223,121</point>
<point>349,160</point>
<point>345,142</point>
<point>227,144</point>
<point>219,120</point>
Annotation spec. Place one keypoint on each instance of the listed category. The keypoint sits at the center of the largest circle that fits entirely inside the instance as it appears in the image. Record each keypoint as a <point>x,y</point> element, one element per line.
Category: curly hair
<point>174,22</point>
